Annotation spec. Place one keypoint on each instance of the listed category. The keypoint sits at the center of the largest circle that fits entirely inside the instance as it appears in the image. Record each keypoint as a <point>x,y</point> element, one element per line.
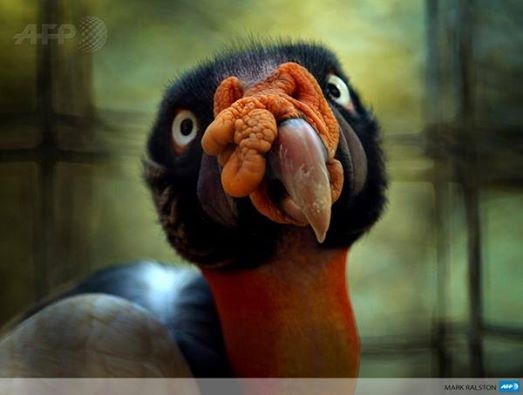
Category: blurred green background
<point>437,285</point>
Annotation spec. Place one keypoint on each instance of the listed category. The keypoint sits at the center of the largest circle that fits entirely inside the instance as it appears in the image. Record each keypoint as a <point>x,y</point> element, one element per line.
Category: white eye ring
<point>338,90</point>
<point>184,128</point>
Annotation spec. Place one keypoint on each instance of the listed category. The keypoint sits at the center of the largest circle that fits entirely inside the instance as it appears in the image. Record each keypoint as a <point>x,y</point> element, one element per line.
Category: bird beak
<point>283,121</point>
<point>297,158</point>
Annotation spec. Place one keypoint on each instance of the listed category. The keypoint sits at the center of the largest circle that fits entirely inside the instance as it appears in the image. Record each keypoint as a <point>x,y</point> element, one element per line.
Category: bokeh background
<point>437,285</point>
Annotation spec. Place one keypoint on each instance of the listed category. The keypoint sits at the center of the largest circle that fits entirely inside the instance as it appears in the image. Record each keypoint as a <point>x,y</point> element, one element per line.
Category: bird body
<point>264,167</point>
<point>176,298</point>
<point>92,335</point>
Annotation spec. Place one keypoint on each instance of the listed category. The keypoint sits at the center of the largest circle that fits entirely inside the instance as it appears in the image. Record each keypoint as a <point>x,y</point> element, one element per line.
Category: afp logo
<point>509,386</point>
<point>90,34</point>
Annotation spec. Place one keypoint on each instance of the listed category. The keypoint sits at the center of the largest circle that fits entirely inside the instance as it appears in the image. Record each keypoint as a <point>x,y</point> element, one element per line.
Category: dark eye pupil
<point>333,91</point>
<point>186,127</point>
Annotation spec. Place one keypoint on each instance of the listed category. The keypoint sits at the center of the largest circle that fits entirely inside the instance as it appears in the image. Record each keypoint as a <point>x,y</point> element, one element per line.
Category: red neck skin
<point>291,317</point>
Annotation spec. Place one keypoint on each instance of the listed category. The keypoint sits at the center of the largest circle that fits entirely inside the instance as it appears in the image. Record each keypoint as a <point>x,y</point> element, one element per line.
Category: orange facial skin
<point>246,125</point>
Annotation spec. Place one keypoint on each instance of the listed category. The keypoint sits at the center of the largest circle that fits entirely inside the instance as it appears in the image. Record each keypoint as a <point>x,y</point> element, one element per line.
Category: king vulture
<point>265,168</point>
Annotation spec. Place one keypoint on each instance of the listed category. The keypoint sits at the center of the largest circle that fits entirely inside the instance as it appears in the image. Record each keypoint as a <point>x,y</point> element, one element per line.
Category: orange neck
<point>289,318</point>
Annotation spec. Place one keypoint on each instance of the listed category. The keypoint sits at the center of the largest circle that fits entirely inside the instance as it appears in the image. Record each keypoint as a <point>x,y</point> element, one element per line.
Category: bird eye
<point>184,129</point>
<point>338,90</point>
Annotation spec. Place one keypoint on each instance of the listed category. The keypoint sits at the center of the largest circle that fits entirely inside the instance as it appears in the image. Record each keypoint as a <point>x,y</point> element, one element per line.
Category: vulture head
<point>263,146</point>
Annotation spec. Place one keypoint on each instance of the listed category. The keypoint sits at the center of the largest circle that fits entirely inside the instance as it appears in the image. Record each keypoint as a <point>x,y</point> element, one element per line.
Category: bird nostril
<point>276,191</point>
